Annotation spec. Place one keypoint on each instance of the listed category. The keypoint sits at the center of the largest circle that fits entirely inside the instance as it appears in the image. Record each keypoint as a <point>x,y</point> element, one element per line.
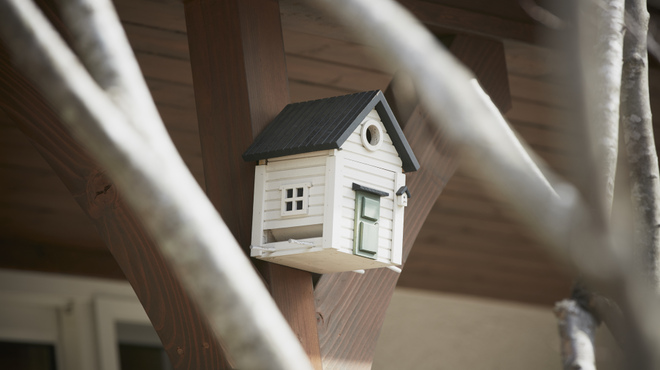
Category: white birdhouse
<point>329,188</point>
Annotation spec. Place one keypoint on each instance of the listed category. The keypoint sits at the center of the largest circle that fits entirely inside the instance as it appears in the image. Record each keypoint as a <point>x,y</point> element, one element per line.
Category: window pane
<point>300,192</point>
<point>140,348</point>
<point>289,193</point>
<point>136,357</point>
<point>289,206</point>
<point>299,204</point>
<point>27,356</point>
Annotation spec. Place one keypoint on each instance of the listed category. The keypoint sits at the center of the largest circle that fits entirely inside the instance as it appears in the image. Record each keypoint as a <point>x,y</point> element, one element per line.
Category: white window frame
<point>108,313</point>
<point>304,198</point>
<point>87,312</point>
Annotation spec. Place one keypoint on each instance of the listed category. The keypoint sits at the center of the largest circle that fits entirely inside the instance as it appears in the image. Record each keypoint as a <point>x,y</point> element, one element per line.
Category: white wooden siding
<point>373,177</point>
<point>258,208</point>
<point>320,153</point>
<point>397,234</point>
<point>385,157</point>
<point>296,169</point>
<point>332,217</point>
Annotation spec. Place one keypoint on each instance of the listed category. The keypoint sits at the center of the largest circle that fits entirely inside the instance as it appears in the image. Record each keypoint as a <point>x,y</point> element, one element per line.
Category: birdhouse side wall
<point>305,172</point>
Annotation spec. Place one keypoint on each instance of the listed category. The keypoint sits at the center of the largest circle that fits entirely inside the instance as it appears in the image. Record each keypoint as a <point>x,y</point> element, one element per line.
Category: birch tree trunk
<point>598,52</point>
<point>640,146</point>
<point>602,29</point>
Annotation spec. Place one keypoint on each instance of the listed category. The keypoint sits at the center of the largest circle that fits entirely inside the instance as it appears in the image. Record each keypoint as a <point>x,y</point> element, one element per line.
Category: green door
<point>367,215</point>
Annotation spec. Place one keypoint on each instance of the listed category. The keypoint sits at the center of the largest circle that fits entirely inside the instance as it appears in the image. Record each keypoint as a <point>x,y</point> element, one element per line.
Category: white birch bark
<point>576,332</point>
<point>599,51</point>
<point>637,128</point>
<point>155,182</point>
<point>104,50</point>
<point>602,29</point>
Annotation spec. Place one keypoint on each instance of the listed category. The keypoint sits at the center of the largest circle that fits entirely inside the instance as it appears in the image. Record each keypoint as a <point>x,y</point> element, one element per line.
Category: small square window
<point>295,199</point>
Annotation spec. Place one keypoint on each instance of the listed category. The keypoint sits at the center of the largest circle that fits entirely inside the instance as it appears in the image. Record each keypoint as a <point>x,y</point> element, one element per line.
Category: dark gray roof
<point>326,124</point>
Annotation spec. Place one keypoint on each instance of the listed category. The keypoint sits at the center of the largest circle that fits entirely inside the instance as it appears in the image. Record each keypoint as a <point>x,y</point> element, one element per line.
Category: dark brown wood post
<point>240,82</point>
<point>352,307</point>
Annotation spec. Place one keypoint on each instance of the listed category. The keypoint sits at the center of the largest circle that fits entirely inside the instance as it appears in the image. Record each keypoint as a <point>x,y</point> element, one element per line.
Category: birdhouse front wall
<point>378,169</point>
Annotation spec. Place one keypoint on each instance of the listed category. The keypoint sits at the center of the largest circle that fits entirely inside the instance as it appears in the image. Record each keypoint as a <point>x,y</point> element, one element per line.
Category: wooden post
<point>240,81</point>
<point>352,307</point>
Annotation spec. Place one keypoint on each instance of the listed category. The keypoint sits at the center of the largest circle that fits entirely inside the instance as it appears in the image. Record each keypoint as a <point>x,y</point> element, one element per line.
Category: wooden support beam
<point>299,16</point>
<point>185,334</point>
<point>240,82</point>
<point>352,307</point>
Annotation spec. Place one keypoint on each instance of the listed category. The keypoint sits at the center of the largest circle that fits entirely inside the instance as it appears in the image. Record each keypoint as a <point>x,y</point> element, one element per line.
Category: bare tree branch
<point>164,195</point>
<point>601,46</point>
<point>561,222</point>
<point>576,332</point>
<point>637,127</point>
<point>102,45</point>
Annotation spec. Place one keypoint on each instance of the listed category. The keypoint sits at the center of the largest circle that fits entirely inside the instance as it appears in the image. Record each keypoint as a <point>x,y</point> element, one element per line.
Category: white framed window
<point>295,199</point>
<point>75,323</point>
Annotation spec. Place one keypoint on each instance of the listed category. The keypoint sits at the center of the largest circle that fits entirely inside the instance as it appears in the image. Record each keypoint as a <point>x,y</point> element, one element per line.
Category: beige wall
<point>425,330</point>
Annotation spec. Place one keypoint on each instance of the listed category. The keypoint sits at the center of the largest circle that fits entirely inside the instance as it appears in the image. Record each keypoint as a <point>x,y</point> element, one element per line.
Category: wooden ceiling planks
<point>160,14</point>
<point>342,77</point>
<point>157,32</point>
<point>303,91</point>
<point>333,51</point>
<point>36,208</point>
<point>469,244</point>
<point>158,41</point>
<point>505,9</point>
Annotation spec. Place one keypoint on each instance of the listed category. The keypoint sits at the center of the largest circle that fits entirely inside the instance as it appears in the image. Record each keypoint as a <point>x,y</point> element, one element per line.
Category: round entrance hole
<point>372,135</point>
